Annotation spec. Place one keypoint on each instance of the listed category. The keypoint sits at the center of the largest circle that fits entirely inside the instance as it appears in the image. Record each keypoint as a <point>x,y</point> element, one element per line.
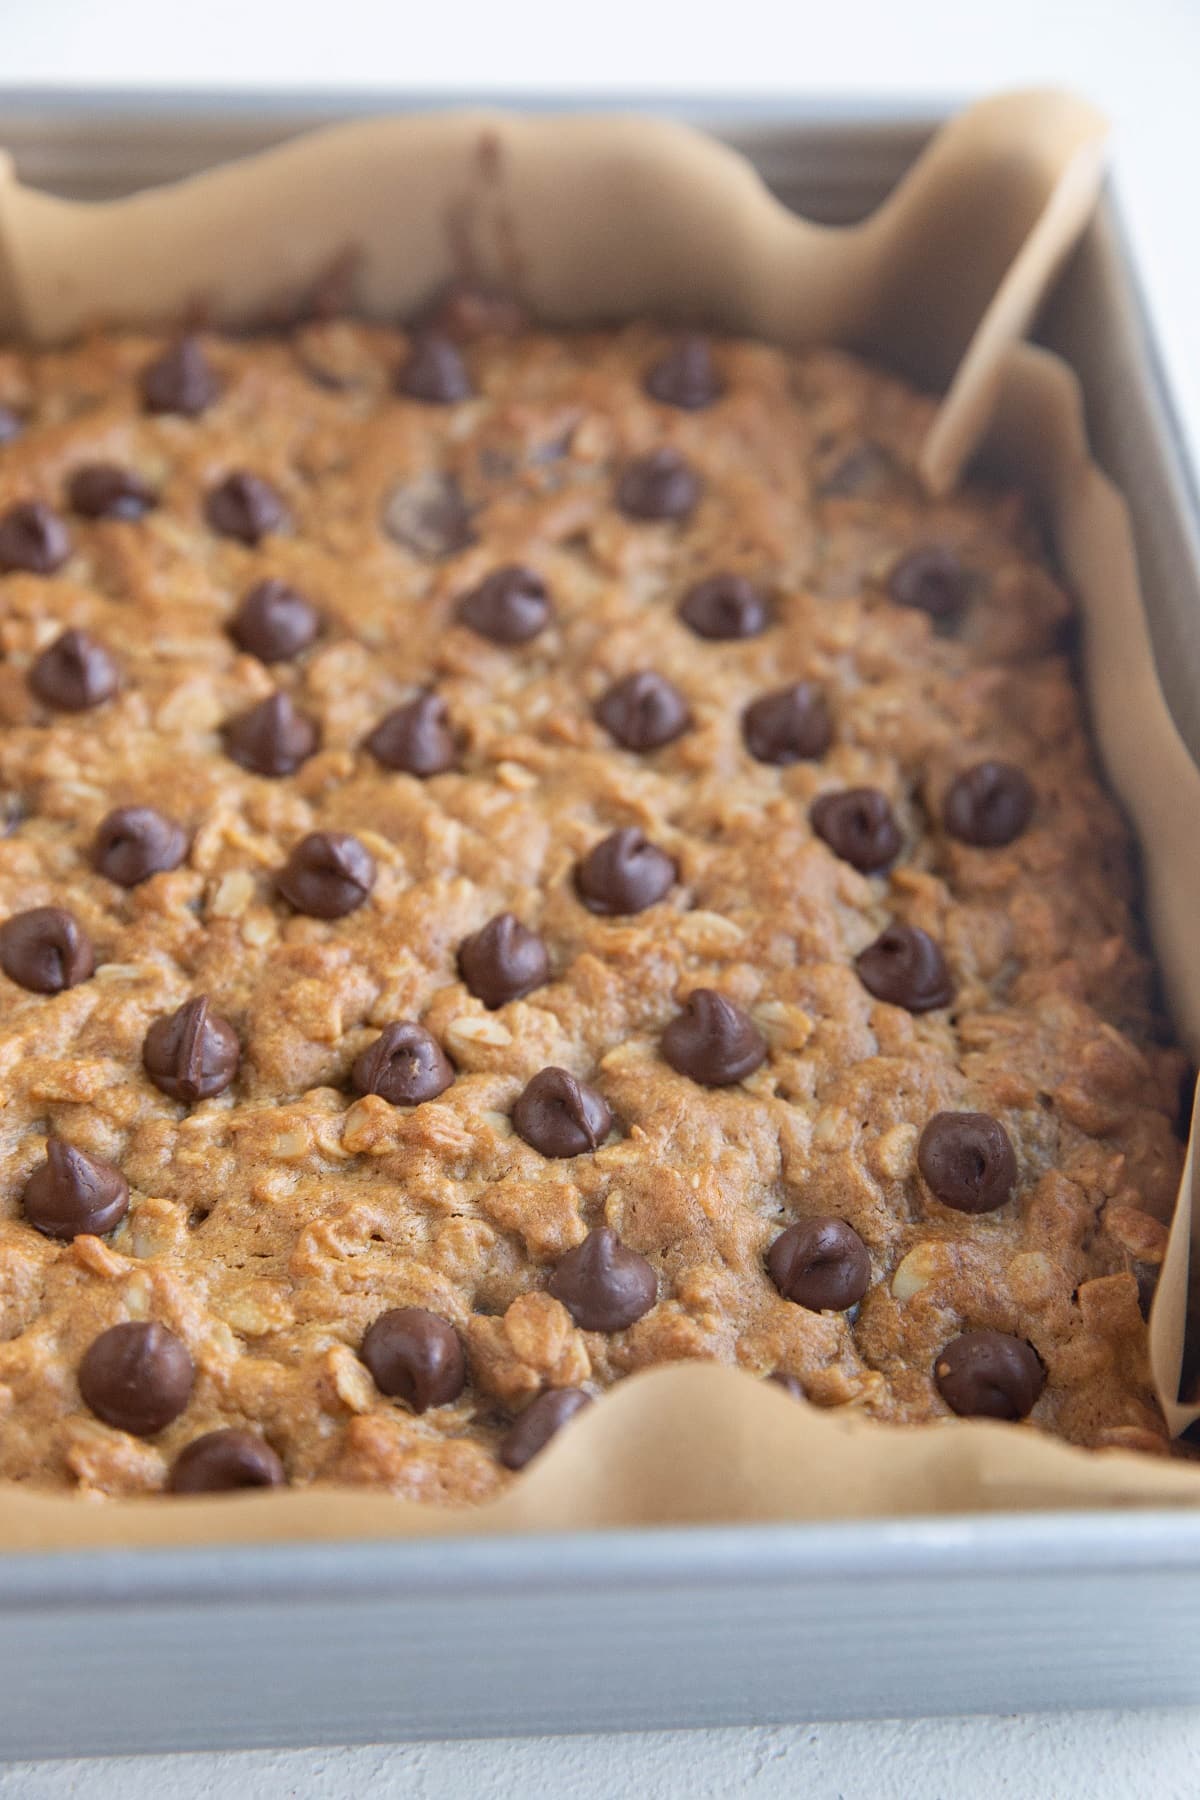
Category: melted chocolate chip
<point>45,950</point>
<point>272,738</point>
<point>33,539</point>
<point>74,673</point>
<point>906,968</point>
<point>327,875</point>
<point>724,607</point>
<point>135,842</point>
<point>988,805</point>
<point>137,1378</point>
<point>989,1375</point>
<point>713,1041</point>
<point>604,1286</point>
<point>192,1053</point>
<point>181,380</point>
<point>932,579</point>
<point>221,1462</point>
<point>415,738</point>
<point>789,725</point>
<point>106,491</point>
<point>245,507</point>
<point>415,1356</point>
<point>70,1193</point>
<point>791,1384</point>
<point>644,711</point>
<point>434,372</point>
<point>820,1264</point>
<point>662,485</point>
<point>686,376</point>
<point>404,1066</point>
<point>624,873</point>
<point>539,1422</point>
<point>510,606</point>
<point>859,826</point>
<point>428,516</point>
<point>274,622</point>
<point>503,961</point>
<point>11,425</point>
<point>967,1159</point>
<point>559,1115</point>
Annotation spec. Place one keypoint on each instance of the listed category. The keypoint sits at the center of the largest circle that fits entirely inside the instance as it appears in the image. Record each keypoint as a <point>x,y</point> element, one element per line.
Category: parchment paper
<point>605,217</point>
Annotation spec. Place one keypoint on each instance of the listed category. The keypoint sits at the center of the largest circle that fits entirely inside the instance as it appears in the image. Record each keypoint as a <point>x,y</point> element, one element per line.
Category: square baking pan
<point>109,1651</point>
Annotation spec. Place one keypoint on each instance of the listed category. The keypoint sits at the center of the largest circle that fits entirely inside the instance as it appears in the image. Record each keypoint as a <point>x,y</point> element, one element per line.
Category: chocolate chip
<point>45,950</point>
<point>404,1066</point>
<point>510,606</point>
<point>725,607</point>
<point>820,1264</point>
<point>106,491</point>
<point>932,579</point>
<point>192,1053</point>
<point>327,875</point>
<point>137,1377</point>
<point>989,1375</point>
<point>624,873</point>
<point>712,1040</point>
<point>503,961</point>
<point>272,738</point>
<point>33,539</point>
<point>858,825</point>
<point>662,485</point>
<point>906,968</point>
<point>464,311</point>
<point>988,805</point>
<point>74,673</point>
<point>434,372</point>
<point>222,1461</point>
<point>415,1356</point>
<point>539,1422</point>
<point>181,380</point>
<point>245,507</point>
<point>274,622</point>
<point>686,376</point>
<point>604,1286</point>
<point>70,1193</point>
<point>559,1115</point>
<point>791,1384</point>
<point>135,842</point>
<point>415,738</point>
<point>429,516</point>
<point>11,425</point>
<point>788,725</point>
<point>644,711</point>
<point>967,1159</point>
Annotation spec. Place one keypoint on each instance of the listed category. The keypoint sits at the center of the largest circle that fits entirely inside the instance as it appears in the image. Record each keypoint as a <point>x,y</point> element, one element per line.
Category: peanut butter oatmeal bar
<point>530,856</point>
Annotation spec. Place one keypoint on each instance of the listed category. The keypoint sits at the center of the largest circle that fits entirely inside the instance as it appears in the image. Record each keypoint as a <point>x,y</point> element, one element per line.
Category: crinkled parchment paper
<point>590,218</point>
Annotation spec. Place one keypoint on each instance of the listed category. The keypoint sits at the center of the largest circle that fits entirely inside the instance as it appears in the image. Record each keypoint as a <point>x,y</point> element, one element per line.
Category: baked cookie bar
<point>528,856</point>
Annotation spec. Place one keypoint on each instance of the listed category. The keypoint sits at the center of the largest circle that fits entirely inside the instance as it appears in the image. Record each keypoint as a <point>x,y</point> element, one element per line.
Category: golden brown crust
<point>270,1225</point>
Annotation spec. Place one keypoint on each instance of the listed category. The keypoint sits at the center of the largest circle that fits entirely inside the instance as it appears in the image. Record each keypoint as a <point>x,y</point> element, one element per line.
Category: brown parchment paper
<point>604,217</point>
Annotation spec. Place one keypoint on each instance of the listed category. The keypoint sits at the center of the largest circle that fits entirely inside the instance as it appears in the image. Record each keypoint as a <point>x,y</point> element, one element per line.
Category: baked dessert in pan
<point>531,855</point>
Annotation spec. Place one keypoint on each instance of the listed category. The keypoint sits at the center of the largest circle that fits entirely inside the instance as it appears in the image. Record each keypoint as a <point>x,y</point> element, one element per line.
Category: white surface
<point>1137,58</point>
<point>1065,1756</point>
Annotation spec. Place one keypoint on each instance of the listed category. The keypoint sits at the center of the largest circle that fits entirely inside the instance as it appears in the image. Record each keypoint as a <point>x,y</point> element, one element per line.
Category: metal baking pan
<point>301,1644</point>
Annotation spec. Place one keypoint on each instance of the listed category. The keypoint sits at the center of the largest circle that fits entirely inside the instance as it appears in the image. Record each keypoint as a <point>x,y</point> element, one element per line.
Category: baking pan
<point>289,1644</point>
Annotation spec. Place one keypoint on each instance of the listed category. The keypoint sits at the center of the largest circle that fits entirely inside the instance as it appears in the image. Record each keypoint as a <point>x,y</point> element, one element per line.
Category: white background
<point>1138,58</point>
